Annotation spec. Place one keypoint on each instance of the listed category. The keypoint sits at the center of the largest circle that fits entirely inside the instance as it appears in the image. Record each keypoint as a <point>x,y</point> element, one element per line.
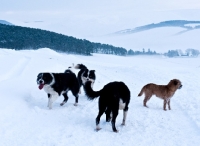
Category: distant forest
<point>24,38</point>
<point>21,38</point>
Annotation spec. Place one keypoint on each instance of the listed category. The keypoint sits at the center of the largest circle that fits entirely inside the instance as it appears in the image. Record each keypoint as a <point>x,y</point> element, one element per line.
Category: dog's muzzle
<point>40,83</point>
<point>180,86</point>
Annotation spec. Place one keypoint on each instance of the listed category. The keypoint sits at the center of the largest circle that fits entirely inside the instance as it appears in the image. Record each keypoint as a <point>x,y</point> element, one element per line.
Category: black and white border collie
<point>113,96</point>
<point>84,75</point>
<point>55,84</point>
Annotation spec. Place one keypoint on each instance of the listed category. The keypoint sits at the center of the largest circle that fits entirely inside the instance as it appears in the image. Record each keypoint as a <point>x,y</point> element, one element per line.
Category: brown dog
<point>164,92</point>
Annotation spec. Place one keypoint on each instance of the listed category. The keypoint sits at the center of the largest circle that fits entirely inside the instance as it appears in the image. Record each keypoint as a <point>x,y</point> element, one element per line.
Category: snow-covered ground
<point>26,120</point>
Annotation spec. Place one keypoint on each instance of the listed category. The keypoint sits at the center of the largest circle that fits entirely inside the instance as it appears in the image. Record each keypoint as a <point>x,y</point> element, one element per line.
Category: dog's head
<point>45,79</point>
<point>175,84</point>
<point>88,75</point>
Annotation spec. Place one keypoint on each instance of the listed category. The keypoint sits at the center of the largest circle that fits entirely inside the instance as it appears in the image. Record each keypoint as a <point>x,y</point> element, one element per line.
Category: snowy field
<point>26,120</point>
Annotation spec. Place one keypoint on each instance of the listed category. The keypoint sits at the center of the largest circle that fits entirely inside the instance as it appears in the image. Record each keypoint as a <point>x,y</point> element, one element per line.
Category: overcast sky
<point>88,17</point>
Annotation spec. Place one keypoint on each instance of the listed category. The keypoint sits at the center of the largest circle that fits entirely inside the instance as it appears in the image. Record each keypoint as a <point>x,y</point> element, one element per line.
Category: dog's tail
<point>69,70</point>
<point>141,92</point>
<point>90,93</point>
<point>80,66</point>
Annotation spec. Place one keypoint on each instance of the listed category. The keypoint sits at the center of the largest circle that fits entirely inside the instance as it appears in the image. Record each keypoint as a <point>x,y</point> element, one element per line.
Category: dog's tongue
<point>41,86</point>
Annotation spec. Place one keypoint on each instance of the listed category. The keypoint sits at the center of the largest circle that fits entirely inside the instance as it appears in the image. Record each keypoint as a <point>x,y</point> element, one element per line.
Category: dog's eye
<point>175,82</point>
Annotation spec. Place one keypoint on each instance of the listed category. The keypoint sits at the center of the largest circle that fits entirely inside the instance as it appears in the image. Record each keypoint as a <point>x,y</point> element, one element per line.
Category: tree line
<point>23,38</point>
<point>178,52</point>
<point>20,38</point>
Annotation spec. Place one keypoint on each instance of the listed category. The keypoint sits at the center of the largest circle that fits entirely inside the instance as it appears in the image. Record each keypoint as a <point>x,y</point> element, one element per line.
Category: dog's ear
<point>175,83</point>
<point>39,75</point>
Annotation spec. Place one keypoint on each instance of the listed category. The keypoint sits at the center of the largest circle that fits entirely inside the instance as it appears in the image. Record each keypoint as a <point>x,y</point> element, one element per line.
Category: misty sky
<point>89,17</point>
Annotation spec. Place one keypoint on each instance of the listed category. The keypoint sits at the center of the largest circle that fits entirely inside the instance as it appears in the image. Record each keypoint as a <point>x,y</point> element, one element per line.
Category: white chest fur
<point>50,90</point>
<point>121,104</point>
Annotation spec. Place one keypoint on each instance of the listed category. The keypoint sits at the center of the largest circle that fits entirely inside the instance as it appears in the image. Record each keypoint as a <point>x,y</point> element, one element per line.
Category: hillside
<point>187,25</point>
<point>160,37</point>
<point>21,38</point>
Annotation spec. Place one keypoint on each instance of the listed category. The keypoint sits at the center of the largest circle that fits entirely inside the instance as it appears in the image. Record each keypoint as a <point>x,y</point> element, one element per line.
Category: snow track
<point>15,70</point>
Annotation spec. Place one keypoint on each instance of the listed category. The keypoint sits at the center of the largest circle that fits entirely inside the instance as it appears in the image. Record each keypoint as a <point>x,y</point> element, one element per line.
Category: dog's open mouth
<point>41,86</point>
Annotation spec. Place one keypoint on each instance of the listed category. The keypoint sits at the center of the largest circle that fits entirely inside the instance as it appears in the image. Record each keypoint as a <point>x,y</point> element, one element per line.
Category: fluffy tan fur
<point>164,92</point>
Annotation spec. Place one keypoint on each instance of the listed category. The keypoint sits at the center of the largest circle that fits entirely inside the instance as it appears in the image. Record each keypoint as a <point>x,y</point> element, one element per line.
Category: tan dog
<point>164,92</point>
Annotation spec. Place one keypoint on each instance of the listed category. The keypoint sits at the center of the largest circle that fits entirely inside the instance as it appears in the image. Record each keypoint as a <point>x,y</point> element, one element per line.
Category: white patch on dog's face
<point>40,79</point>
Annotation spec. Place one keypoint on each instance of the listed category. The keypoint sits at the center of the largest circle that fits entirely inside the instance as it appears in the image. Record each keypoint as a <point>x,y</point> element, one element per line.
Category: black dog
<point>113,96</point>
<point>84,75</point>
<point>55,84</point>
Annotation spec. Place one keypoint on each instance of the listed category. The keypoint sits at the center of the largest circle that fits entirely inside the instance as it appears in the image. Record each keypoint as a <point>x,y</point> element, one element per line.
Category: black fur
<point>59,83</point>
<point>109,99</point>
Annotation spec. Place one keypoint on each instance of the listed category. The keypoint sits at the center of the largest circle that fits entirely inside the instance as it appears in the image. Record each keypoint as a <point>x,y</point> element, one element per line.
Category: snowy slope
<point>26,120</point>
<point>159,39</point>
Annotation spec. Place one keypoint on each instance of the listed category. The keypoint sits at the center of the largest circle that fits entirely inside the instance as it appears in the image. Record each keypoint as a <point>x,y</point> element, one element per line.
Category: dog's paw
<point>75,104</point>
<point>123,124</point>
<point>108,119</point>
<point>97,129</point>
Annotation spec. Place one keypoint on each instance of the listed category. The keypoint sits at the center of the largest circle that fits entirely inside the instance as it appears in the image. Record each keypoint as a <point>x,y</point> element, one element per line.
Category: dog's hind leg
<point>108,114</point>
<point>102,109</point>
<point>145,101</point>
<point>75,93</point>
<point>164,104</point>
<point>65,99</point>
<point>115,113</point>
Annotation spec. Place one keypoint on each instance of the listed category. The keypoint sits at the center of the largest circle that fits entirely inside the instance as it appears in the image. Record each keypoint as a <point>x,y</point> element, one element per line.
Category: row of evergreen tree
<point>178,52</point>
<point>19,38</point>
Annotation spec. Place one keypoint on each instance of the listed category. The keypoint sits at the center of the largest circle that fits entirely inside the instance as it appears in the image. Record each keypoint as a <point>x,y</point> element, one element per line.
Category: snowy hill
<point>187,25</point>
<point>26,120</point>
<point>157,38</point>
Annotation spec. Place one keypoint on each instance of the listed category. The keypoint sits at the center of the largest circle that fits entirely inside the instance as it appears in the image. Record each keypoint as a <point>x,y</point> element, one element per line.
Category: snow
<point>26,120</point>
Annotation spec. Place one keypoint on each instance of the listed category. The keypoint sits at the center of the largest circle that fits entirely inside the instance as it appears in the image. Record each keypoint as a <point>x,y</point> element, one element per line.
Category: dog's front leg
<point>49,96</point>
<point>124,117</point>
<point>76,100</point>
<point>52,99</point>
<point>169,104</point>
